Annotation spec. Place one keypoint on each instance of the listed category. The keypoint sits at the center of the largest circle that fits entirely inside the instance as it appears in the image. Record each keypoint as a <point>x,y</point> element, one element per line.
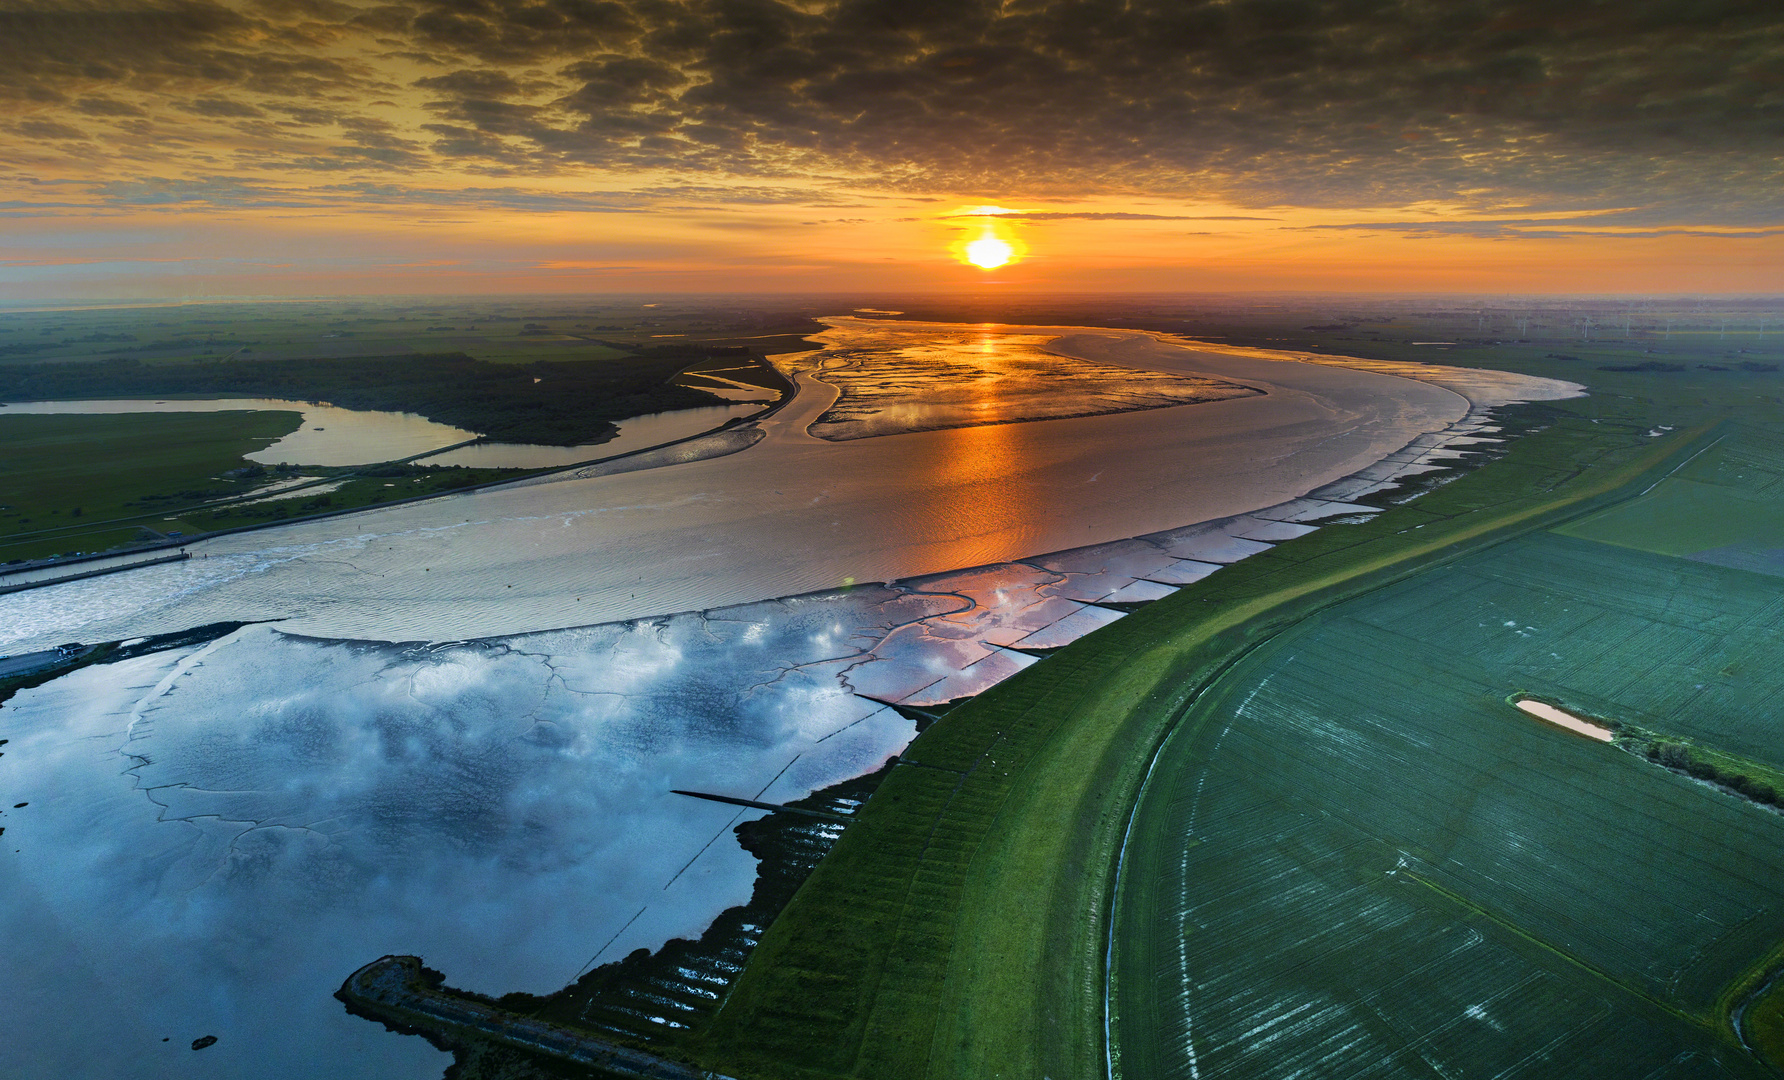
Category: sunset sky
<point>315,147</point>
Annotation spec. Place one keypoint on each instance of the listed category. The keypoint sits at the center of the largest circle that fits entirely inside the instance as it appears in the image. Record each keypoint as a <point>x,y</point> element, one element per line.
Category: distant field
<point>1728,506</point>
<point>90,483</point>
<point>499,330</point>
<point>550,371</point>
<point>63,477</point>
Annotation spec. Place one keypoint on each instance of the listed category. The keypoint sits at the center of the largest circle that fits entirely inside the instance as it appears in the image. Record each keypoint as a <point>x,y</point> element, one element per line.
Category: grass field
<point>1729,504</point>
<point>1355,857</point>
<point>502,330</point>
<point>65,477</point>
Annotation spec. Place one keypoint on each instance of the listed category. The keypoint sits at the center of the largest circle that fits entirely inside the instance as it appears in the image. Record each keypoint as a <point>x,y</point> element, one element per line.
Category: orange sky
<point>304,147</point>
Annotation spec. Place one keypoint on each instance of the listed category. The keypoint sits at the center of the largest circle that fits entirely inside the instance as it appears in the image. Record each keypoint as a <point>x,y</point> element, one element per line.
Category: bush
<point>1671,755</point>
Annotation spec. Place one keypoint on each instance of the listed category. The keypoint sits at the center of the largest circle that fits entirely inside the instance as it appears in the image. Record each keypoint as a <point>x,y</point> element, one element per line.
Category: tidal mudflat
<point>333,436</point>
<point>217,833</point>
<point>968,376</point>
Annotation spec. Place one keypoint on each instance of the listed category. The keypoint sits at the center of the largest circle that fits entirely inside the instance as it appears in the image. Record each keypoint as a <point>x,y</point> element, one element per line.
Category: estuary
<point>452,727</point>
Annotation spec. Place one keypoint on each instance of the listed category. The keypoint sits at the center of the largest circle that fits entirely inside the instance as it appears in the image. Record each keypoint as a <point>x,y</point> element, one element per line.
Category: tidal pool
<point>957,376</point>
<point>1561,718</point>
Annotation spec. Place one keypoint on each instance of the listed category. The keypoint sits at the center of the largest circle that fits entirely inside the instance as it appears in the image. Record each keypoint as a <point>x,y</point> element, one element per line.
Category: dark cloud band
<point>1266,102</point>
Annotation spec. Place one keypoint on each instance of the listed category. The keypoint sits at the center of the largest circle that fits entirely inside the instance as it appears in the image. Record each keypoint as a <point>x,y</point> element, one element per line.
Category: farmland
<point>1355,857</point>
<point>521,330</point>
<point>1727,508</point>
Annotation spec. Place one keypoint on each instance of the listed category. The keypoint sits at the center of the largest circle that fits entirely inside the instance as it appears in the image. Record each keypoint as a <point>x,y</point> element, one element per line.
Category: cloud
<point>243,193</point>
<point>104,106</point>
<point>1088,215</point>
<point>1595,228</point>
<point>1487,104</point>
<point>212,106</point>
<point>48,129</point>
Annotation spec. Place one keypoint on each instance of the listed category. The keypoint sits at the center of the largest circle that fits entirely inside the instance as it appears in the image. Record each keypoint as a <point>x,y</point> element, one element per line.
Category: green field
<point>1727,507</point>
<point>501,330</point>
<point>1355,857</point>
<point>63,478</point>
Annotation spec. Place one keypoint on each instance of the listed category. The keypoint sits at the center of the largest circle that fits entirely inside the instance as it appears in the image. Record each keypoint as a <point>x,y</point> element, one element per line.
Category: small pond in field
<point>1564,719</point>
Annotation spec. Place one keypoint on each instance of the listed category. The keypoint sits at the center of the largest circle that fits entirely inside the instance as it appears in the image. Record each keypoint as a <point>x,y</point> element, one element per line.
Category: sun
<point>987,237</point>
<point>989,253</point>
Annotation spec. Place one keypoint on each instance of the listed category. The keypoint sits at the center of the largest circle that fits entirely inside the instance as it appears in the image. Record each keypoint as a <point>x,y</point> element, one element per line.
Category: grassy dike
<point>958,929</point>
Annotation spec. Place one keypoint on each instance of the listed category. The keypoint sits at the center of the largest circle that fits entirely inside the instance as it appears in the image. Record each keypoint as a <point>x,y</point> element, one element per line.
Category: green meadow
<point>1355,855</point>
<point>78,483</point>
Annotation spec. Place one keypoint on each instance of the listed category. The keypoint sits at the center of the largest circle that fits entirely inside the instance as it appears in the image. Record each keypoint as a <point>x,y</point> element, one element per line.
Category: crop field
<point>1356,858</point>
<point>1727,507</point>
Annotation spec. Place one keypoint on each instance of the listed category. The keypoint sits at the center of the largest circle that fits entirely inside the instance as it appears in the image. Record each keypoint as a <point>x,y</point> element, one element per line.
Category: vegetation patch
<point>93,483</point>
<point>77,483</point>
